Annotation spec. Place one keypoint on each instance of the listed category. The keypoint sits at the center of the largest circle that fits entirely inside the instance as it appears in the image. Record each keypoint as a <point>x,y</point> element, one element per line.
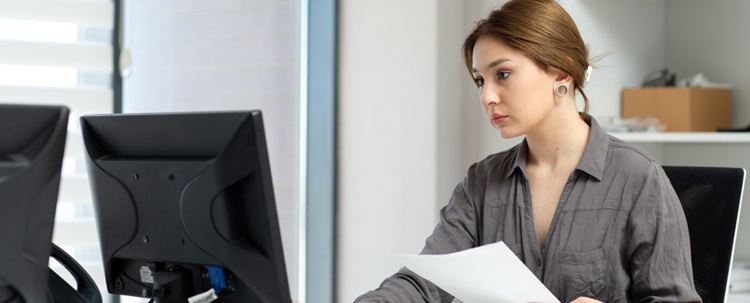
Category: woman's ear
<point>559,75</point>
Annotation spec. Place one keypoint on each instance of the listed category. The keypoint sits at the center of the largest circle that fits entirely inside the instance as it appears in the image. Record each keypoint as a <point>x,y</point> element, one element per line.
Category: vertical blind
<point>59,52</point>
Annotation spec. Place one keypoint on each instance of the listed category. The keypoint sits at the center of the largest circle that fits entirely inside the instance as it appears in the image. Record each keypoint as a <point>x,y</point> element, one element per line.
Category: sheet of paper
<point>487,274</point>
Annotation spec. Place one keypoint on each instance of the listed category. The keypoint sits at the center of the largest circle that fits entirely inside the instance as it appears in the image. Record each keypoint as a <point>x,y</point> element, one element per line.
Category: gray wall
<point>712,37</point>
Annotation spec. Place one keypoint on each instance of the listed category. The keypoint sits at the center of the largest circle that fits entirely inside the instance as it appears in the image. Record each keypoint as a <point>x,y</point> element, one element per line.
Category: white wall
<point>399,128</point>
<point>712,37</point>
<point>449,124</point>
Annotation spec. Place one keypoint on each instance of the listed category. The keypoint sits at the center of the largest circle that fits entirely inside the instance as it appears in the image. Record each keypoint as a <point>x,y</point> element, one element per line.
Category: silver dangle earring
<point>557,90</point>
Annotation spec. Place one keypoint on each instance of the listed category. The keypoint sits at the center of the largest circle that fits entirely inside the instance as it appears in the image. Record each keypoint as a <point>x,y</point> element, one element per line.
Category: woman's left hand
<point>585,300</point>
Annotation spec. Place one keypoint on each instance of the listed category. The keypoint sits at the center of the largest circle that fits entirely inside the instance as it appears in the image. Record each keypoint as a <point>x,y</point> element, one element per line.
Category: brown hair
<point>540,29</point>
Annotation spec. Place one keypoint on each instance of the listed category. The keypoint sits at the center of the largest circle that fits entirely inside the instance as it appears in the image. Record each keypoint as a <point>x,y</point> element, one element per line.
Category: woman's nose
<point>488,96</point>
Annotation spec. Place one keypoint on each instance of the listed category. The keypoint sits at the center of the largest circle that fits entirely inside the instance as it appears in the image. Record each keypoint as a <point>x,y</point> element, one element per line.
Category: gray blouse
<point>618,233</point>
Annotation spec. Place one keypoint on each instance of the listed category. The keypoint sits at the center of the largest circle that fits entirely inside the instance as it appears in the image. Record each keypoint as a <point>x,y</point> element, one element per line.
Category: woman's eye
<point>503,75</point>
<point>479,82</point>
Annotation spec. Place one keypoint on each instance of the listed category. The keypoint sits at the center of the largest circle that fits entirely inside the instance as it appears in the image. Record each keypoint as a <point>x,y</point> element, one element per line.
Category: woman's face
<point>516,94</point>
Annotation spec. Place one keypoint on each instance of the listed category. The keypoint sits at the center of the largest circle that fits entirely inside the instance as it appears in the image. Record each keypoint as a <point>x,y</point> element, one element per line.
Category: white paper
<point>487,274</point>
<point>206,297</point>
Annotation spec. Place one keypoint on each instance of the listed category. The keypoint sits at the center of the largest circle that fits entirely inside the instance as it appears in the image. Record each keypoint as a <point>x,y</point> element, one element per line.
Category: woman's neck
<point>559,142</point>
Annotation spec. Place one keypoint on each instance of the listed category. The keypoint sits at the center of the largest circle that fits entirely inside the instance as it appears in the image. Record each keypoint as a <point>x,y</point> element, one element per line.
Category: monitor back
<point>32,143</point>
<point>179,196</point>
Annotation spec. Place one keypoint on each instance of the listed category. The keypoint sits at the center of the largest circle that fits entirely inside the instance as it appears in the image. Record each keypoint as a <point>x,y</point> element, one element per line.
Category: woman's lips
<point>498,118</point>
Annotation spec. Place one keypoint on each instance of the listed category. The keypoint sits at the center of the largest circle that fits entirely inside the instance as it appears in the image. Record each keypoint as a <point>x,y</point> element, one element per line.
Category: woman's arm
<point>659,247</point>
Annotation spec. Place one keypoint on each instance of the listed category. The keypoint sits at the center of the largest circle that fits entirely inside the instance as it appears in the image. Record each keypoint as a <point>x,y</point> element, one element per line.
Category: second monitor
<point>185,204</point>
<point>32,143</point>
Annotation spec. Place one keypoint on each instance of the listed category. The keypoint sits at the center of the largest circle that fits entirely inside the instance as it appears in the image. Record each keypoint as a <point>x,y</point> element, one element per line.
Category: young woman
<point>594,218</point>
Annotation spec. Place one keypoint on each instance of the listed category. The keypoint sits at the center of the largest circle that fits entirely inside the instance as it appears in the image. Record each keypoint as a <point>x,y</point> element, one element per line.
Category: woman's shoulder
<point>496,165</point>
<point>631,166</point>
<point>629,157</point>
<point>489,172</point>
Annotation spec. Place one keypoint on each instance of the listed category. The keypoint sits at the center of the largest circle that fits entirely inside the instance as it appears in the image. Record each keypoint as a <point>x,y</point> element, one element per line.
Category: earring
<point>557,90</point>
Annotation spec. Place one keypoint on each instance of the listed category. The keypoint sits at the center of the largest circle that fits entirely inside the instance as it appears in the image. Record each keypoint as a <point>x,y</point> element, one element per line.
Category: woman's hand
<point>585,300</point>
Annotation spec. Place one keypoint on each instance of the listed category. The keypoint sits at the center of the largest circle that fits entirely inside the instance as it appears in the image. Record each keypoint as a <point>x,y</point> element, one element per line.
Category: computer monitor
<point>32,143</point>
<point>184,203</point>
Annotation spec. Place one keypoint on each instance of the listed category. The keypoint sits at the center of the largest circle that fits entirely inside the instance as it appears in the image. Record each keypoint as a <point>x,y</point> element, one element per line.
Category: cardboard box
<point>681,109</point>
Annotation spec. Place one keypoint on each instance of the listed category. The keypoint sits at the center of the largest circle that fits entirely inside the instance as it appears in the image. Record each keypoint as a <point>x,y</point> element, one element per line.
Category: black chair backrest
<point>710,197</point>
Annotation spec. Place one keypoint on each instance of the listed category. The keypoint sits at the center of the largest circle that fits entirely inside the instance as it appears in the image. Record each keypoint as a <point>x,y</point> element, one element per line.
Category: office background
<point>406,115</point>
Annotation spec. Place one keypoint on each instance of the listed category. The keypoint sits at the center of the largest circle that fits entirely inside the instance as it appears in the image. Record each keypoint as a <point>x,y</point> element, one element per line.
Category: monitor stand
<point>170,286</point>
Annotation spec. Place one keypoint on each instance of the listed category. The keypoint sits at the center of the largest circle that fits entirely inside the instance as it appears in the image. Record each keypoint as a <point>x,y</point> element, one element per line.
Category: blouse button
<point>538,262</point>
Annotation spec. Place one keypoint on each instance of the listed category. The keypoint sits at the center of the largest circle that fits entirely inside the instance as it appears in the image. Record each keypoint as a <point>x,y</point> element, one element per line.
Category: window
<point>62,55</point>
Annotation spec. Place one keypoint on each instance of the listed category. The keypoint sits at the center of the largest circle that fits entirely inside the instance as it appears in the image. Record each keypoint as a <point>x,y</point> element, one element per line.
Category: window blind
<point>58,52</point>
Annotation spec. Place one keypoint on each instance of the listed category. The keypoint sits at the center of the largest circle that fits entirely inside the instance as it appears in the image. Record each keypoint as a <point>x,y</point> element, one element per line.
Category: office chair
<point>59,291</point>
<point>710,197</point>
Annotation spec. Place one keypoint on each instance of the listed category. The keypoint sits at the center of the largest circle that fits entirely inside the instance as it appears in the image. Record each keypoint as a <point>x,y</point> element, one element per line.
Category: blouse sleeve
<point>659,248</point>
<point>456,231</point>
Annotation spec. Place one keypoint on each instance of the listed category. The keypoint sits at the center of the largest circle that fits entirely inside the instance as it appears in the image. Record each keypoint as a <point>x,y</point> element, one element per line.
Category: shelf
<point>684,137</point>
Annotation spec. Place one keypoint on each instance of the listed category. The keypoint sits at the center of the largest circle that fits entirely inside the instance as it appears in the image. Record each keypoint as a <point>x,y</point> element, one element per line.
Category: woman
<point>594,218</point>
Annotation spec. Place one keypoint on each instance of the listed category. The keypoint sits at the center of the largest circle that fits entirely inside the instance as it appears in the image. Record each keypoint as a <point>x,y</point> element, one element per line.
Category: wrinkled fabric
<point>618,234</point>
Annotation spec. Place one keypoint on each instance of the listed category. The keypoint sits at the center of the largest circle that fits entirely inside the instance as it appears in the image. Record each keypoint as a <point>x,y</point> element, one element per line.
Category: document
<point>487,274</point>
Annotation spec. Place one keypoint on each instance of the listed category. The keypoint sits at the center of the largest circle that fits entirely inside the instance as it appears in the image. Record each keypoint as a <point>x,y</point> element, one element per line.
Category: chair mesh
<point>710,197</point>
